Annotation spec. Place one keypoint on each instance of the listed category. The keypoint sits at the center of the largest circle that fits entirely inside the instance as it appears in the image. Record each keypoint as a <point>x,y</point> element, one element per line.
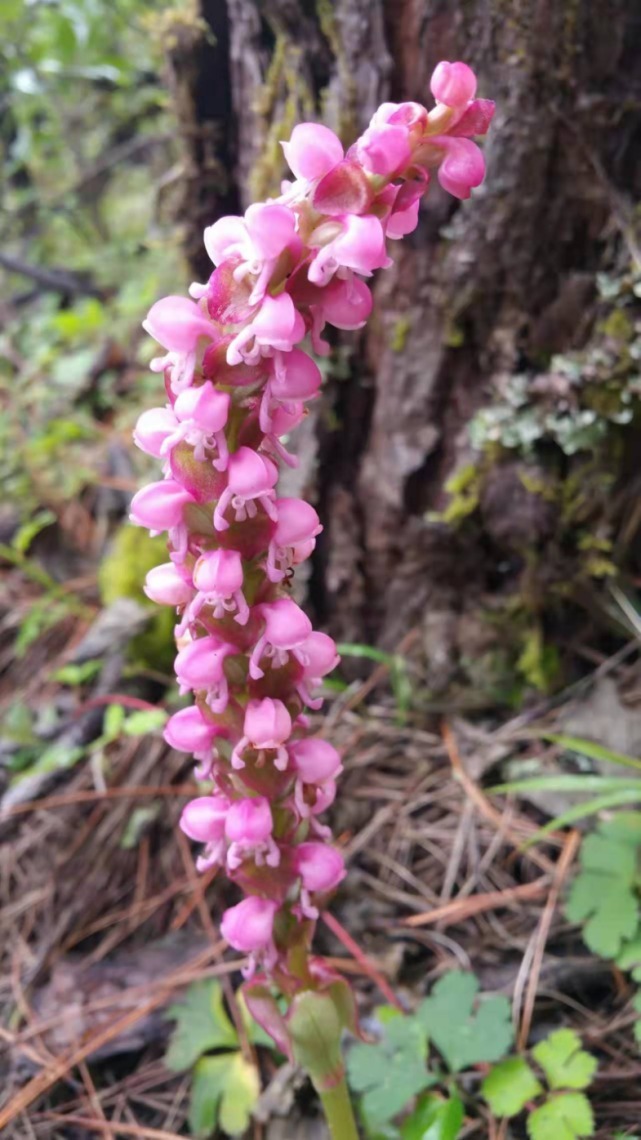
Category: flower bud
<point>320,867</point>
<point>165,585</point>
<point>248,926</point>
<point>204,818</point>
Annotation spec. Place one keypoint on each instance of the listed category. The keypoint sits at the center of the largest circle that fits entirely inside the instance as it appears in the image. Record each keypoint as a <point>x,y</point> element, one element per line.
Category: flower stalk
<point>239,369</point>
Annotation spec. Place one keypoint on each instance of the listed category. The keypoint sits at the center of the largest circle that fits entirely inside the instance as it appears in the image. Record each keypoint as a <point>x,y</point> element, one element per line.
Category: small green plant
<point>431,1054</point>
<point>225,1085</point>
<point>564,1111</point>
<point>397,668</point>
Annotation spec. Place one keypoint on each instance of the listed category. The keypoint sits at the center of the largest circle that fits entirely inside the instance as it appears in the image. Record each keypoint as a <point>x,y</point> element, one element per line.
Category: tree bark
<point>483,289</point>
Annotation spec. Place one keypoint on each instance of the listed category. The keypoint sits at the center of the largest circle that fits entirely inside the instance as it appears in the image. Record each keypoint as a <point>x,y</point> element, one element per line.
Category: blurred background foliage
<point>87,237</point>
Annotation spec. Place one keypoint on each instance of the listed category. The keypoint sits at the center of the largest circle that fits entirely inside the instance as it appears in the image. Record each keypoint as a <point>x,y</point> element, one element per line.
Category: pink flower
<point>177,324</point>
<point>250,479</point>
<point>200,666</point>
<point>383,149</point>
<point>188,731</point>
<point>258,241</point>
<point>453,84</point>
<point>297,527</point>
<point>267,726</point>
<point>312,151</point>
<point>318,656</point>
<point>286,627</point>
<point>159,506</point>
<point>202,416</point>
<point>248,827</point>
<point>295,376</point>
<point>315,760</point>
<point>352,243</point>
<point>410,115</point>
<point>218,576</point>
<point>276,325</point>
<point>204,818</point>
<point>462,167</point>
<point>153,428</point>
<point>321,869</point>
<point>248,927</point>
<point>346,303</point>
<point>167,586</point>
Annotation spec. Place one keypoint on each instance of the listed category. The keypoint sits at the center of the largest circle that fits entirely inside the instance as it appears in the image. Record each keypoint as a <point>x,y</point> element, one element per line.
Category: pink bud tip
<point>321,867</point>
<point>248,926</point>
<point>177,323</point>
<point>159,506</point>
<point>166,586</point>
<point>219,572</point>
<point>267,723</point>
<point>315,760</point>
<point>312,150</point>
<point>188,731</point>
<point>453,84</point>
<point>249,821</point>
<point>204,818</point>
<point>200,664</point>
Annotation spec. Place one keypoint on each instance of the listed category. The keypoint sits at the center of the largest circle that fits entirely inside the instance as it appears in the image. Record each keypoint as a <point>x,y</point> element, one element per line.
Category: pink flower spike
<point>159,506</point>
<point>267,725</point>
<point>153,428</point>
<point>203,819</point>
<point>248,927</point>
<point>218,576</point>
<point>453,84</point>
<point>165,585</point>
<point>312,151</point>
<point>463,166</point>
<point>177,323</point>
<point>286,626</point>
<point>188,731</point>
<point>250,479</point>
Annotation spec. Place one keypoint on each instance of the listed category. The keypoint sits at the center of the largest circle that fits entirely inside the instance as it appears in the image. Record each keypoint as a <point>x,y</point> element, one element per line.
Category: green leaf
<point>465,1031</point>
<point>563,1060</point>
<point>113,722</point>
<point>434,1119</point>
<point>593,751</point>
<point>224,1091</point>
<point>201,1024</point>
<point>509,1086</point>
<point>143,722</point>
<point>582,811</point>
<point>564,1117</point>
<point>78,674</point>
<point>602,896</point>
<point>630,957</point>
<point>391,1071</point>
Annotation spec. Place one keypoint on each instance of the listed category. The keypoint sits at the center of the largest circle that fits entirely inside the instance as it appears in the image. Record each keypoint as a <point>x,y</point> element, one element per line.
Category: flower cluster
<point>237,383</point>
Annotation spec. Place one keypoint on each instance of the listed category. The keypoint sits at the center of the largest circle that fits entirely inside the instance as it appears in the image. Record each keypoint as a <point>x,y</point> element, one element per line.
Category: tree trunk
<point>483,291</point>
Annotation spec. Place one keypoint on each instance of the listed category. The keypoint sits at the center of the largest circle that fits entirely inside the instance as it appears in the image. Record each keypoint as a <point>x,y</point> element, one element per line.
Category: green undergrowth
<point>121,574</point>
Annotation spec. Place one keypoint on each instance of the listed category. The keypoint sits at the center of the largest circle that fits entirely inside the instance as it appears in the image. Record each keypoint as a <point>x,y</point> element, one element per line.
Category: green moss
<point>400,332</point>
<point>538,663</point>
<point>283,100</point>
<point>121,575</point>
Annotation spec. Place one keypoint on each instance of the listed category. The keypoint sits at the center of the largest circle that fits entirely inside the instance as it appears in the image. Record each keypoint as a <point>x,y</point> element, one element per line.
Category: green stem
<point>339,1113</point>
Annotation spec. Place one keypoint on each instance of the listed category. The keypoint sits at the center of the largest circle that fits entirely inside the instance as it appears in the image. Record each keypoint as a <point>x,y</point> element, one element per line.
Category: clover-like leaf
<point>565,1063</point>
<point>224,1091</point>
<point>391,1071</point>
<point>201,1024</point>
<point>629,957</point>
<point>602,896</point>
<point>509,1086</point>
<point>464,1030</point>
<point>434,1119</point>
<point>567,1116</point>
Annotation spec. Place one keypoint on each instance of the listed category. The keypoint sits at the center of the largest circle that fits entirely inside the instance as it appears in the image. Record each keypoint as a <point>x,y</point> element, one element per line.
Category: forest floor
<point>104,921</point>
